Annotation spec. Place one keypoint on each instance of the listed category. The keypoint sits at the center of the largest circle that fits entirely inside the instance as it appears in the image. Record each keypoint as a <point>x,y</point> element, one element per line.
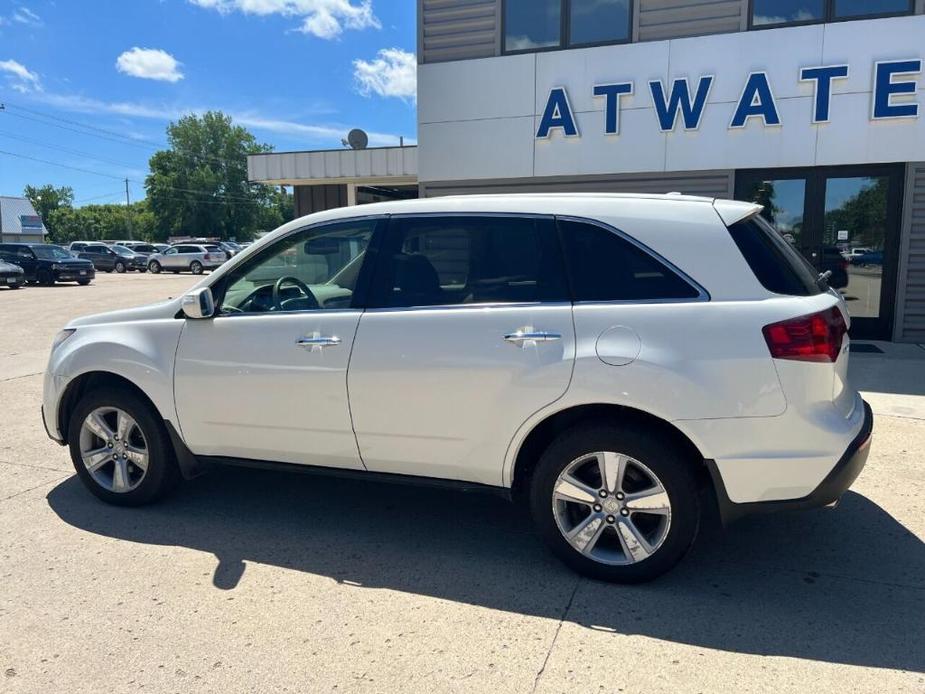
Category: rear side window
<point>445,261</point>
<point>777,265</point>
<point>607,267</point>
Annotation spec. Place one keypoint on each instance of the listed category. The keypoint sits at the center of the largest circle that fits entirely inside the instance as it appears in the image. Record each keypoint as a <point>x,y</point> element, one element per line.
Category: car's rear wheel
<point>195,267</point>
<point>615,503</point>
<point>120,448</point>
<point>154,267</point>
<point>45,278</point>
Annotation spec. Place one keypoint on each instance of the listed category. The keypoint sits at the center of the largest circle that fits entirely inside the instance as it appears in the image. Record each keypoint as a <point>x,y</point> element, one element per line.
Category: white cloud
<point>23,15</point>
<point>318,134</point>
<point>394,72</point>
<point>325,19</point>
<point>149,64</point>
<point>20,78</point>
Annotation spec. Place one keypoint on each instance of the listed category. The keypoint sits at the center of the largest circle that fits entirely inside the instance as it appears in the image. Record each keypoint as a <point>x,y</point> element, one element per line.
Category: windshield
<point>51,253</point>
<point>122,250</point>
<point>145,248</point>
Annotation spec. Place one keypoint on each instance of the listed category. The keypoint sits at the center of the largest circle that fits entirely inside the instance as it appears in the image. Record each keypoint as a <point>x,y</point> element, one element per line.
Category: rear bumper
<point>836,483</point>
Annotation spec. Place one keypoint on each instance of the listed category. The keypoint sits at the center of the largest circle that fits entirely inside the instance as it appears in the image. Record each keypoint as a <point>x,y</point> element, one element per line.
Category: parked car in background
<point>11,275</point>
<point>109,259</point>
<point>855,252</point>
<point>230,247</point>
<point>142,247</point>
<point>46,264</point>
<point>135,259</point>
<point>867,259</point>
<point>612,362</point>
<point>188,257</point>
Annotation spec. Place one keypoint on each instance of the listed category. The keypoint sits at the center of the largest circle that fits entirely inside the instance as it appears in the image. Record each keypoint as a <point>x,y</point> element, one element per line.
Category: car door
<point>26,259</point>
<point>170,259</point>
<point>468,332</point>
<point>266,379</point>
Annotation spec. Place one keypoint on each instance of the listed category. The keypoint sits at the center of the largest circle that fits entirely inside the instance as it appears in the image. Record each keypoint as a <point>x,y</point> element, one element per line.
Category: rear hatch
<point>809,341</point>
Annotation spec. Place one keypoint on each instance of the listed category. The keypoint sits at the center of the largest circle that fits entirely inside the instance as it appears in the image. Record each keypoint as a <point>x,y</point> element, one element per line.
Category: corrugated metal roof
<point>381,165</point>
<point>12,210</point>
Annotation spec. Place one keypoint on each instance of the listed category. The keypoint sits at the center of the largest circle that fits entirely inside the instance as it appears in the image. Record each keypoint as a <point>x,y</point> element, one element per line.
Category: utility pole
<point>128,210</point>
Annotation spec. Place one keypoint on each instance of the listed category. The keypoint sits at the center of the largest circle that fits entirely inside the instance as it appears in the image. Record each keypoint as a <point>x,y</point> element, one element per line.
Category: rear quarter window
<point>778,266</point>
<point>604,266</point>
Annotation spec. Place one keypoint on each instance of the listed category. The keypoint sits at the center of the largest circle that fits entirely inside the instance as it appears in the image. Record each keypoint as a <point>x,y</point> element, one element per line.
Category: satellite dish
<point>357,139</point>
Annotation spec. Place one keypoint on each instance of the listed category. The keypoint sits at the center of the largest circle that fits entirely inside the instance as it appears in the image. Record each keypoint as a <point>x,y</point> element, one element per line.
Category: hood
<point>67,261</point>
<point>163,309</point>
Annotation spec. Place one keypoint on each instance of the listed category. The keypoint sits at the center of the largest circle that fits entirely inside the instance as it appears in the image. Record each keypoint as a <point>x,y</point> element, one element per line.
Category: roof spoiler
<point>732,211</point>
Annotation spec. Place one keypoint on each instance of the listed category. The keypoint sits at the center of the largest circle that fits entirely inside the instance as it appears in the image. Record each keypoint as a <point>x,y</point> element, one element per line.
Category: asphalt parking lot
<point>257,582</point>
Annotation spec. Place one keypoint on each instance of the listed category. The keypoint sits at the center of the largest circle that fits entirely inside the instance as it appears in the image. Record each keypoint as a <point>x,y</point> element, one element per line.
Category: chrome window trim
<point>702,294</point>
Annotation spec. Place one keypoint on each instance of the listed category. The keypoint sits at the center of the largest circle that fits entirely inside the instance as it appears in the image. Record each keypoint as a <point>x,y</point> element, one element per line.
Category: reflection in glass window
<point>769,12</point>
<point>784,201</point>
<point>599,21</point>
<point>860,8</point>
<point>532,24</point>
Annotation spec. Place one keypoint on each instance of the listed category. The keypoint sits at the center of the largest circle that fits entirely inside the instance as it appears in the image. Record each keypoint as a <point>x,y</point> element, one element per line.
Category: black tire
<point>162,474</point>
<point>154,267</point>
<point>45,278</point>
<point>195,267</point>
<point>668,462</point>
<point>15,286</point>
<point>83,283</point>
<point>120,267</point>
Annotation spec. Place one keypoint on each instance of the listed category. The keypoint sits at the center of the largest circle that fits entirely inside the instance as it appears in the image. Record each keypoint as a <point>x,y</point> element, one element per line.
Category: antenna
<point>357,139</point>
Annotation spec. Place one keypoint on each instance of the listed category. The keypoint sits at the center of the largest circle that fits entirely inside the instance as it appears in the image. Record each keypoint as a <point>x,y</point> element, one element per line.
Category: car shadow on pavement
<point>843,586</point>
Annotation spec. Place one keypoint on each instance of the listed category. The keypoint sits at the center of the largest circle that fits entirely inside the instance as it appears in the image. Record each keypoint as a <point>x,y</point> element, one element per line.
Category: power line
<point>226,198</point>
<point>118,193</point>
<point>67,150</point>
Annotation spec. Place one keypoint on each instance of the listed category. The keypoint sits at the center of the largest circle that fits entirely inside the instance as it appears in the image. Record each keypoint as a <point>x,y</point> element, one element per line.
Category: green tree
<point>199,186</point>
<point>46,200</point>
<point>102,222</point>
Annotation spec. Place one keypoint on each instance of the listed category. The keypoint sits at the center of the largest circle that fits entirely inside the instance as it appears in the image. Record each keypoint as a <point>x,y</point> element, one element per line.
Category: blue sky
<point>298,73</point>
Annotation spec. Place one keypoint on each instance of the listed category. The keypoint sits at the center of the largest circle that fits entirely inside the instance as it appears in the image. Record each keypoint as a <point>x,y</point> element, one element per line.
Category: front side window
<point>48,253</point>
<point>769,13</point>
<point>447,261</point>
<point>531,25</point>
<point>317,268</point>
<point>606,267</point>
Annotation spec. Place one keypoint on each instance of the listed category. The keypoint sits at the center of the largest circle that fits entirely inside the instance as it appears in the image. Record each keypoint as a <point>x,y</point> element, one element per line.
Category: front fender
<point>140,352</point>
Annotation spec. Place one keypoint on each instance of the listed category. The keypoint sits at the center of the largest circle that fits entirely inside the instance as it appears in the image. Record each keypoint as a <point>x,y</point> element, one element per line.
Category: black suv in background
<point>46,264</point>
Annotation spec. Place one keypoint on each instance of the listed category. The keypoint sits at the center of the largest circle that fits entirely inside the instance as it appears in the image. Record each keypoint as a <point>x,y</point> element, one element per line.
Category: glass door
<point>845,221</point>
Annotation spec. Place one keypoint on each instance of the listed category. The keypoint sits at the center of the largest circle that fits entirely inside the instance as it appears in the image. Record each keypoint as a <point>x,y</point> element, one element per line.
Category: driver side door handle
<point>317,341</point>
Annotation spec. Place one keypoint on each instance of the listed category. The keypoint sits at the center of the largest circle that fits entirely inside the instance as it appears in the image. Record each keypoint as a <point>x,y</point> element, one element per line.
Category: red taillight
<point>844,265</point>
<point>205,257</point>
<point>817,337</point>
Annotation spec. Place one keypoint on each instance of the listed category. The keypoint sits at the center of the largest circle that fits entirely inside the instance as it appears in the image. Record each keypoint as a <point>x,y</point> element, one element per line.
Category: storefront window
<point>769,13</point>
<point>860,8</point>
<point>599,21</point>
<point>532,25</point>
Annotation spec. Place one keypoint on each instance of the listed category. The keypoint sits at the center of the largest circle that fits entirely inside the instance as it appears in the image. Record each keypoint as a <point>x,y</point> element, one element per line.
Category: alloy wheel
<point>611,508</point>
<point>114,449</point>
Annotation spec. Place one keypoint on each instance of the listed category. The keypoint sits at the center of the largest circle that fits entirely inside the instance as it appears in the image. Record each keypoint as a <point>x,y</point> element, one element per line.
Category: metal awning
<point>383,166</point>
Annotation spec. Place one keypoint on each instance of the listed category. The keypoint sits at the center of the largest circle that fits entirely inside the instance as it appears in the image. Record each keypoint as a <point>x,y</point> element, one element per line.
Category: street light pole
<point>128,210</point>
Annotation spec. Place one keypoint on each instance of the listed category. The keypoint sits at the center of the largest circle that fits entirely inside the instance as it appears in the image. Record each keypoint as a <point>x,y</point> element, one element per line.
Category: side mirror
<point>199,304</point>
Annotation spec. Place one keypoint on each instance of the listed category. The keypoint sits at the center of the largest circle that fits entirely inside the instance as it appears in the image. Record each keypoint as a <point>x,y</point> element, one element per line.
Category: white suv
<point>609,360</point>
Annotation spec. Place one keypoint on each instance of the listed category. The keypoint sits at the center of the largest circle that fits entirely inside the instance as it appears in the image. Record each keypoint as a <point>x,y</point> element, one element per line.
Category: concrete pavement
<point>255,581</point>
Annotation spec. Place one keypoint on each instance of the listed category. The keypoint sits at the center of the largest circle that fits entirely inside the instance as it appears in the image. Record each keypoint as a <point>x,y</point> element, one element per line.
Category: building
<point>811,107</point>
<point>19,222</point>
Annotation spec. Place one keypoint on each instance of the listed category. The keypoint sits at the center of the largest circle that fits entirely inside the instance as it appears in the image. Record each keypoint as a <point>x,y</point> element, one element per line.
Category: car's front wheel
<point>615,503</point>
<point>83,283</point>
<point>120,448</point>
<point>120,267</point>
<point>45,278</point>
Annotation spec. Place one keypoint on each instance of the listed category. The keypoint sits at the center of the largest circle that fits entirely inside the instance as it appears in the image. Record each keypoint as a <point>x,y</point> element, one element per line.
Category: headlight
<point>61,337</point>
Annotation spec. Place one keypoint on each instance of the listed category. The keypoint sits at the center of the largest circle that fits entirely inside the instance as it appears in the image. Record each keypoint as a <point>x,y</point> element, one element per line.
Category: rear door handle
<point>318,341</point>
<point>522,337</point>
